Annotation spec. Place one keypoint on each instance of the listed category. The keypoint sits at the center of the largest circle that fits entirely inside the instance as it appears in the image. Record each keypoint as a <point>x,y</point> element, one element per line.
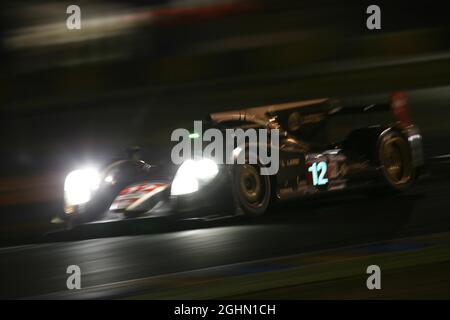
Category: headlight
<point>191,174</point>
<point>79,186</point>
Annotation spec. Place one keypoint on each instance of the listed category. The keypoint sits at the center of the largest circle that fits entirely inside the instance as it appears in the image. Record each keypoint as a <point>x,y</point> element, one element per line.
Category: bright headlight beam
<point>190,173</point>
<point>206,169</point>
<point>79,185</point>
<point>184,185</point>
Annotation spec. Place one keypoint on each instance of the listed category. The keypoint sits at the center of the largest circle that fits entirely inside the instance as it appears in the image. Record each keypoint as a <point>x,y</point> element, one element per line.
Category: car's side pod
<point>362,142</point>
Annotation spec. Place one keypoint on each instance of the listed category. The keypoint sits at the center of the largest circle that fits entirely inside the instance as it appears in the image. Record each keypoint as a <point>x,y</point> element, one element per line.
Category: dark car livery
<point>384,152</point>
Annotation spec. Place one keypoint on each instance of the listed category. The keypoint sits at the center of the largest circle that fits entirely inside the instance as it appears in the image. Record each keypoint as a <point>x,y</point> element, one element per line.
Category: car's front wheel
<point>253,191</point>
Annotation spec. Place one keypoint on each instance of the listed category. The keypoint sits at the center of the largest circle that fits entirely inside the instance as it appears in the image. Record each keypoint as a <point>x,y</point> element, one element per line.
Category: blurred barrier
<point>292,60</point>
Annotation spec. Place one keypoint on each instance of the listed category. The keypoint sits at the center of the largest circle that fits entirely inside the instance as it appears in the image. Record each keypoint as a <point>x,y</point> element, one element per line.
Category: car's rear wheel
<point>253,191</point>
<point>395,159</point>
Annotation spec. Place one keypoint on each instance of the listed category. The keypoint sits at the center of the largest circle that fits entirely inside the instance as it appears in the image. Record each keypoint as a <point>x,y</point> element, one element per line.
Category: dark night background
<point>139,69</point>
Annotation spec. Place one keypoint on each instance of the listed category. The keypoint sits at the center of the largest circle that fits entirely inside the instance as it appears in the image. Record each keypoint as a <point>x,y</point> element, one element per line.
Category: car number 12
<point>318,171</point>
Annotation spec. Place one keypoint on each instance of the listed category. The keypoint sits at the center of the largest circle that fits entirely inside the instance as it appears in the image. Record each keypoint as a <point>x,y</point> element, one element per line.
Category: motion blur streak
<point>136,70</point>
<point>109,20</point>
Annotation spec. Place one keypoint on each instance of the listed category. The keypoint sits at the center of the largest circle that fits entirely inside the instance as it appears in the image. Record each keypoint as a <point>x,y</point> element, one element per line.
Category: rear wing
<point>398,106</point>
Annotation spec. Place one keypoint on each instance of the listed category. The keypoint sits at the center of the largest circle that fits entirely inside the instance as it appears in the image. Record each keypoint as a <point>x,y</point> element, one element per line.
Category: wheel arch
<point>365,141</point>
<point>246,147</point>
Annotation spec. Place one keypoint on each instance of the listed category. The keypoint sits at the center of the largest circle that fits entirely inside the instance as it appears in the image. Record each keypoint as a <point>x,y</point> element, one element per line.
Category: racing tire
<point>396,167</point>
<point>252,191</point>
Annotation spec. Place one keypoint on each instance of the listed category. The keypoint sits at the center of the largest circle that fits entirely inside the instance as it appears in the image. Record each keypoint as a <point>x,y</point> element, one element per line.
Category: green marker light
<point>194,135</point>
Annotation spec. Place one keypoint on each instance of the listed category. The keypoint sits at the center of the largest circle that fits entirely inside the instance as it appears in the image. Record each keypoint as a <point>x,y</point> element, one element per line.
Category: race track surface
<point>297,227</point>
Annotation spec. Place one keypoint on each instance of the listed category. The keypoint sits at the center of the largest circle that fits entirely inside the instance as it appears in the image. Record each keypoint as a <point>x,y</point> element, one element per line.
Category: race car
<point>367,150</point>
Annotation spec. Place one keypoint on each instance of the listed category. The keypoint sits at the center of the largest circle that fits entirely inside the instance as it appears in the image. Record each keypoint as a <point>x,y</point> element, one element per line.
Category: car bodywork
<point>351,159</point>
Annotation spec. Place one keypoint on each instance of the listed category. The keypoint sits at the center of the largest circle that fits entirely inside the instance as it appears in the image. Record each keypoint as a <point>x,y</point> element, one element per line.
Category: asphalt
<point>297,227</point>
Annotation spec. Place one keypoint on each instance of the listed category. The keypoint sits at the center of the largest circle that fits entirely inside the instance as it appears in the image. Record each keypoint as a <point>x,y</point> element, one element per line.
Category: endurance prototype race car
<point>320,152</point>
